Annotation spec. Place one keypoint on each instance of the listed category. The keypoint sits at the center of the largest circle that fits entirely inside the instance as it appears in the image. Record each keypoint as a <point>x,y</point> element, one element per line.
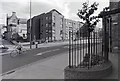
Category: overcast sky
<point>68,8</point>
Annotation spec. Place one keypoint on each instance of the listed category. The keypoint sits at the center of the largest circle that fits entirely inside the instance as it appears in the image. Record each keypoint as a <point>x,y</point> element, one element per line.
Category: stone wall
<point>96,72</point>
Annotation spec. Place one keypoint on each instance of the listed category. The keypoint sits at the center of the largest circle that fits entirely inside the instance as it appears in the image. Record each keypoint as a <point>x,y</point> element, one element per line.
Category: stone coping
<point>97,71</point>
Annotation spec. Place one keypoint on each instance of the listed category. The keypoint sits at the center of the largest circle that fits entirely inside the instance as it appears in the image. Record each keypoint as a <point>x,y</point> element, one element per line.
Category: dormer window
<point>14,20</point>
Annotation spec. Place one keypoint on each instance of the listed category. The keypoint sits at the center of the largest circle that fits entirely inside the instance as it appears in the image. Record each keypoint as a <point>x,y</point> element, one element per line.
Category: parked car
<point>3,48</point>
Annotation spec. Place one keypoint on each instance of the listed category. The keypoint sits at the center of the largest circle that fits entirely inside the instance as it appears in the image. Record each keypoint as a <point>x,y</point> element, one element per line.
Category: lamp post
<point>30,27</point>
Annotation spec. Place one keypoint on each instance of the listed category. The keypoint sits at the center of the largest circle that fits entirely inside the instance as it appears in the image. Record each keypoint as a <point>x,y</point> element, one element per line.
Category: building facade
<point>12,23</point>
<point>16,27</point>
<point>72,25</point>
<point>47,27</point>
<point>50,26</point>
<point>115,26</point>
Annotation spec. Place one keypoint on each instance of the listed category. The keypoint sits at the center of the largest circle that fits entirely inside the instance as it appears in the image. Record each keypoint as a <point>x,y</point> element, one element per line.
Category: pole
<point>30,27</point>
<point>110,50</point>
<point>69,48</point>
<point>89,46</point>
<point>105,39</point>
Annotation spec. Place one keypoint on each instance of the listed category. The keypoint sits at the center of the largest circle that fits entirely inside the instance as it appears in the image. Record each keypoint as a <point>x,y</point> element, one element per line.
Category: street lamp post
<point>30,26</point>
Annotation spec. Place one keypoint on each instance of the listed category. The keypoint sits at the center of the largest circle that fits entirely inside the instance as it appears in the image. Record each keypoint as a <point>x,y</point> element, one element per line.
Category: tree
<point>91,21</point>
<point>86,15</point>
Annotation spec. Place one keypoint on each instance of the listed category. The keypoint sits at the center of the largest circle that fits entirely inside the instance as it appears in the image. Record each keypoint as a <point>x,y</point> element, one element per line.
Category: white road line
<point>66,47</point>
<point>42,53</point>
<point>55,49</point>
<point>46,52</point>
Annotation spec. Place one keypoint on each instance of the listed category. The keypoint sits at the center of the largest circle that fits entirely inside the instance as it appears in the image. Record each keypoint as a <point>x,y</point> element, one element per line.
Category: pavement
<point>115,62</point>
<point>49,68</point>
<point>53,68</point>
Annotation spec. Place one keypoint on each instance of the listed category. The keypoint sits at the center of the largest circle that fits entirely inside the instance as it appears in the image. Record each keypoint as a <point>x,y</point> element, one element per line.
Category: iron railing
<point>86,49</point>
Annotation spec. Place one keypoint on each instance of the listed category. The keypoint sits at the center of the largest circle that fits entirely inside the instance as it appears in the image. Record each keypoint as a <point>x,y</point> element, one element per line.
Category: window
<point>46,38</point>
<point>74,23</point>
<point>14,21</point>
<point>50,31</point>
<point>46,18</point>
<point>66,22</point>
<point>53,31</point>
<point>49,18</point>
<point>53,24</point>
<point>61,25</point>
<point>46,30</point>
<point>50,38</point>
<point>61,32</point>
<point>20,31</point>
<point>53,17</point>
<point>46,25</point>
<point>69,23</point>
<point>46,33</point>
<point>53,37</point>
<point>61,21</point>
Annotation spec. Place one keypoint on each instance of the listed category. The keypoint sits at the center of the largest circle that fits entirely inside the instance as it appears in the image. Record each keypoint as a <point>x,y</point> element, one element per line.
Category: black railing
<point>86,49</point>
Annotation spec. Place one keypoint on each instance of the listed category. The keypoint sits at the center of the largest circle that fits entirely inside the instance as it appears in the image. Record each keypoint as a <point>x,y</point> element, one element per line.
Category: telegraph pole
<point>30,27</point>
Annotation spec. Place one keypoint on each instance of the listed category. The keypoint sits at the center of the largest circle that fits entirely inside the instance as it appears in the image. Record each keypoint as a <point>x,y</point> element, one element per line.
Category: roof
<point>56,11</point>
<point>9,17</point>
<point>22,21</point>
<point>13,15</point>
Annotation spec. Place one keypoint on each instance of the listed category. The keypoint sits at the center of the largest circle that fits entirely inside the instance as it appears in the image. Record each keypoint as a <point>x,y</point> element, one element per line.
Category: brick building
<point>35,22</point>
<point>50,26</point>
<point>115,26</point>
<point>46,27</point>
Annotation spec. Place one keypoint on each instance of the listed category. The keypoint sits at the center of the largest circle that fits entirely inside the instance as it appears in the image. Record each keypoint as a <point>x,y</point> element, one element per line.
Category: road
<point>6,44</point>
<point>31,56</point>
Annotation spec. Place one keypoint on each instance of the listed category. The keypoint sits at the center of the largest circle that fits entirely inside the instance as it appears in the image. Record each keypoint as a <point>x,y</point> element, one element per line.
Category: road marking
<point>55,49</point>
<point>46,52</point>
<point>42,53</point>
<point>66,47</point>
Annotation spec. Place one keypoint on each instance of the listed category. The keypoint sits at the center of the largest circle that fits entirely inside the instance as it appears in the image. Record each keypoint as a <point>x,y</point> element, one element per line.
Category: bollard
<point>36,43</point>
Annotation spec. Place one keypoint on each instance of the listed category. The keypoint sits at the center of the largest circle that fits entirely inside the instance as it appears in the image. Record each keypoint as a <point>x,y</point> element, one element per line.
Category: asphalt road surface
<point>9,63</point>
<point>30,56</point>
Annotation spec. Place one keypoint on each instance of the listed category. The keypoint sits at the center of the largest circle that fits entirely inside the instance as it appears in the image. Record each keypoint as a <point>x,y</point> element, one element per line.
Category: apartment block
<point>71,25</point>
<point>51,26</point>
<point>36,27</point>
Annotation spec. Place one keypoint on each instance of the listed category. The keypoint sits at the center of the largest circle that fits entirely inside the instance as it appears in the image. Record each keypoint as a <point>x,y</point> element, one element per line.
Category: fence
<point>87,49</point>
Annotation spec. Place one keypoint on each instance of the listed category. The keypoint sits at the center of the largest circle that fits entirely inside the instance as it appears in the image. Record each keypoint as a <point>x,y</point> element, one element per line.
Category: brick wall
<point>115,27</point>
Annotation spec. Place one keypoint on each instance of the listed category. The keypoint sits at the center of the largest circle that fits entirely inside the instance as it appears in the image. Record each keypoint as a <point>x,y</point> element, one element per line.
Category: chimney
<point>13,13</point>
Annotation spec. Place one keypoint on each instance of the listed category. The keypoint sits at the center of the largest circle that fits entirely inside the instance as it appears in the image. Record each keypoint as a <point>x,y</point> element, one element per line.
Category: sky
<point>68,8</point>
